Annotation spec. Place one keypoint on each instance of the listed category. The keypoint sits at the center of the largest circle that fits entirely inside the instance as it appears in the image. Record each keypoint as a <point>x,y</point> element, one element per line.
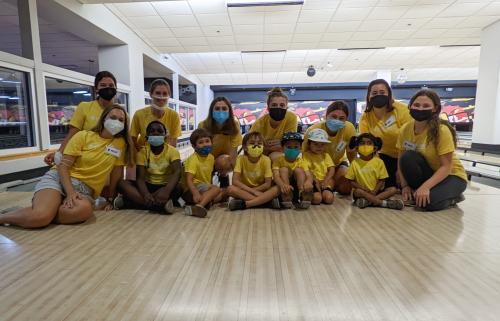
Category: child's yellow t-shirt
<point>408,140</point>
<point>318,164</point>
<point>95,158</point>
<point>201,167</point>
<point>253,174</point>
<point>281,162</point>
<point>157,165</point>
<point>367,173</point>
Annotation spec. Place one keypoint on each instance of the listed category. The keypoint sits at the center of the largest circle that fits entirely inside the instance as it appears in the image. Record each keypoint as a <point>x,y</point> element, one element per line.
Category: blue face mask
<point>156,140</point>
<point>204,151</point>
<point>291,153</point>
<point>334,124</point>
<point>220,116</point>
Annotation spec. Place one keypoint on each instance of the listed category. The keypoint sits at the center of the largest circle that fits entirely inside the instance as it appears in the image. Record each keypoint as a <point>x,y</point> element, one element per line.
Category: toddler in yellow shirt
<point>252,177</point>
<point>292,175</point>
<point>198,170</point>
<point>320,165</point>
<point>367,174</point>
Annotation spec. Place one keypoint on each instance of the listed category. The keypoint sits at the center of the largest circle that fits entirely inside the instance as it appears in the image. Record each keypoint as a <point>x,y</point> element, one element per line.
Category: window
<point>62,99</point>
<point>122,99</point>
<point>15,121</point>
<point>10,33</point>
<point>183,114</point>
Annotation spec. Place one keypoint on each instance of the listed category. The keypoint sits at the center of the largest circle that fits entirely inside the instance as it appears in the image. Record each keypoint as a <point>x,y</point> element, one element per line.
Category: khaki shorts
<point>51,181</point>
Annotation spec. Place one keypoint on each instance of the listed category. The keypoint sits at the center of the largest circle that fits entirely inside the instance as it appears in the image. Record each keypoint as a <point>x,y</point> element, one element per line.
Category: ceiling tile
<point>246,19</point>
<point>157,32</point>
<point>223,40</point>
<point>349,14</point>
<point>210,19</point>
<point>376,25</point>
<point>462,9</point>
<point>177,21</point>
<point>217,31</point>
<point>187,32</point>
<point>166,42</point>
<point>441,23</point>
<point>317,27</point>
<point>493,9</point>
<point>428,33</point>
<point>248,29</point>
<point>148,22</point>
<point>307,37</point>
<point>165,8</point>
<point>337,36</point>
<point>424,11</point>
<point>316,15</point>
<point>384,13</point>
<point>135,9</point>
<point>344,26</point>
<point>268,39</point>
<point>281,17</point>
<point>370,35</point>
<point>193,41</point>
<point>283,28</point>
<point>204,6</point>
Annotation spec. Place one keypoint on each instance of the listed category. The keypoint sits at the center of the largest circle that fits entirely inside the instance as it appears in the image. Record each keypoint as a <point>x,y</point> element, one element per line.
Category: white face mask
<point>114,126</point>
<point>160,107</point>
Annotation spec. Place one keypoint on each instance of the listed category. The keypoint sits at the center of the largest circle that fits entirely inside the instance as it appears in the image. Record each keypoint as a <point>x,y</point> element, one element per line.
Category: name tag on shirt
<point>409,145</point>
<point>112,151</point>
<point>340,147</point>
<point>390,121</point>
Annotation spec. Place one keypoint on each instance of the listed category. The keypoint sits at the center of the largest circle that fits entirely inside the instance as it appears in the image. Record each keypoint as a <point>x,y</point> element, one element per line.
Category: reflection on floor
<point>329,263</point>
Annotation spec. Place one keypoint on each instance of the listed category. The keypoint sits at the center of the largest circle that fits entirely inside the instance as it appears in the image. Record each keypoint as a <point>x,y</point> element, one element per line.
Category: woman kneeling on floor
<point>65,195</point>
<point>158,173</point>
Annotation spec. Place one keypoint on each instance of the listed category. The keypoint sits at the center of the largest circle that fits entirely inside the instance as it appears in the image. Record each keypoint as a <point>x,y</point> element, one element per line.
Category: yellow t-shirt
<point>157,165</point>
<point>144,116</point>
<point>95,158</point>
<point>86,115</point>
<point>318,164</point>
<point>223,144</point>
<point>253,174</point>
<point>273,135</point>
<point>409,141</point>
<point>340,142</point>
<point>367,173</point>
<point>387,128</point>
<point>281,162</point>
<point>200,167</point>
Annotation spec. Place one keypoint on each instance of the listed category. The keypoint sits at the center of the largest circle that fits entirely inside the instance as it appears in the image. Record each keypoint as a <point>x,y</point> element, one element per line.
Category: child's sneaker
<point>395,204</point>
<point>286,205</point>
<point>303,205</point>
<point>195,210</point>
<point>118,202</point>
<point>236,204</point>
<point>275,204</point>
<point>169,207</point>
<point>362,202</point>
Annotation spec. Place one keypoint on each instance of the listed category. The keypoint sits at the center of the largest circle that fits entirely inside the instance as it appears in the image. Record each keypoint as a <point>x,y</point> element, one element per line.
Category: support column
<point>175,85</point>
<point>31,49</point>
<point>486,130</point>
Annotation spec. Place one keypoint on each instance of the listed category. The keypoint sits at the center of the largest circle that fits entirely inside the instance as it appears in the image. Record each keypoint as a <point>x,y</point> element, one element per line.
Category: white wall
<point>486,128</point>
<point>204,96</point>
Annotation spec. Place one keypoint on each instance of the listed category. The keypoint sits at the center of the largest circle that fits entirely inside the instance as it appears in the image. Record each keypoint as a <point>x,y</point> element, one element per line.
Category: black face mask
<point>277,114</point>
<point>421,115</point>
<point>379,101</point>
<point>107,93</point>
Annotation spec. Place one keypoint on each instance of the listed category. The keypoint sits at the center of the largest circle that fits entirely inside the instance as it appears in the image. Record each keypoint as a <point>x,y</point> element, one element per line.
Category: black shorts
<point>293,183</point>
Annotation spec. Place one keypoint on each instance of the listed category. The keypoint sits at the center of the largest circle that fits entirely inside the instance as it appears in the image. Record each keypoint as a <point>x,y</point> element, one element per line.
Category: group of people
<point>406,149</point>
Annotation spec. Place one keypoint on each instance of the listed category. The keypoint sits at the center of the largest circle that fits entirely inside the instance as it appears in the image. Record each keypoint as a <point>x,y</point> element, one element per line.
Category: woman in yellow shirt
<point>340,131</point>
<point>275,123</point>
<point>65,195</point>
<point>158,110</point>
<point>87,113</point>
<point>226,136</point>
<point>429,169</point>
<point>384,118</point>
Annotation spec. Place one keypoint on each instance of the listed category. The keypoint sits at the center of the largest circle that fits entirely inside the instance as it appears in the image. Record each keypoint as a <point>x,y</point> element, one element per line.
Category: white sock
<point>384,203</point>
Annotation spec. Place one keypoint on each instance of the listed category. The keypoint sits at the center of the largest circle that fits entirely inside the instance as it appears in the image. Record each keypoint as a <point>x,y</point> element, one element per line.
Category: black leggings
<point>416,171</point>
<point>391,165</point>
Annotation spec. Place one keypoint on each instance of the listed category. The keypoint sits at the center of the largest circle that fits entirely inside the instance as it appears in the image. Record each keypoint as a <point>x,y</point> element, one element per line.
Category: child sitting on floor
<point>367,174</point>
<point>158,173</point>
<point>291,174</point>
<point>252,176</point>
<point>321,166</point>
<point>198,170</point>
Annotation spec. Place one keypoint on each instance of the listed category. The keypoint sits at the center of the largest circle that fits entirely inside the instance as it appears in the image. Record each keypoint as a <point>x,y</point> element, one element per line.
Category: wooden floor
<point>328,263</point>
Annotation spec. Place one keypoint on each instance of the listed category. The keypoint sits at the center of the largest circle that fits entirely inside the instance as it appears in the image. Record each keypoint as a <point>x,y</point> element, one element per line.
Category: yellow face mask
<point>255,150</point>
<point>366,150</point>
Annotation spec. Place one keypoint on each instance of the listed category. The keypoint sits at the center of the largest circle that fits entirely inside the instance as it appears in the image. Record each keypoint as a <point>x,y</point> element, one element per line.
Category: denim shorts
<point>51,181</point>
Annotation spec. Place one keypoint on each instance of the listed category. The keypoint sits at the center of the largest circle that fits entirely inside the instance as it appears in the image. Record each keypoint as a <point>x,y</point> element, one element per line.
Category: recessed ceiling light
<point>329,65</point>
<point>254,3</point>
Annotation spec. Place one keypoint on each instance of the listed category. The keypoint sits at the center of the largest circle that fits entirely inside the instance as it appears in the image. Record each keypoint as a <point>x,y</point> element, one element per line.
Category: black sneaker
<point>395,204</point>
<point>361,202</point>
<point>458,199</point>
<point>236,204</point>
<point>169,207</point>
<point>275,204</point>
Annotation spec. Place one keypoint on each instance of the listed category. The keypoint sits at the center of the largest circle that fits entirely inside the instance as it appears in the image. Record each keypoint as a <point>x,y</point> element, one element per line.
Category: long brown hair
<point>228,128</point>
<point>435,122</point>
<point>275,92</point>
<point>129,150</point>
<point>369,106</point>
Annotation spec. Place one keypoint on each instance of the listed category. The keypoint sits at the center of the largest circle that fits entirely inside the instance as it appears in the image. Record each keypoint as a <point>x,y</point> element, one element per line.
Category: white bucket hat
<point>318,135</point>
